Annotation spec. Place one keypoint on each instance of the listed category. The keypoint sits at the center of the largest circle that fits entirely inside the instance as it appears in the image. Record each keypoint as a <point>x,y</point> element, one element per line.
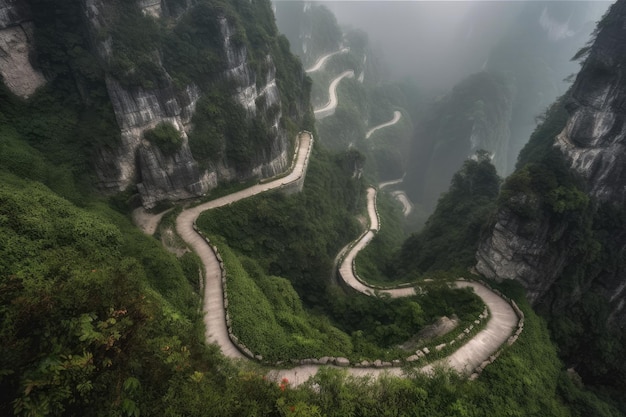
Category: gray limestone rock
<point>343,362</point>
<point>16,49</point>
<point>593,144</point>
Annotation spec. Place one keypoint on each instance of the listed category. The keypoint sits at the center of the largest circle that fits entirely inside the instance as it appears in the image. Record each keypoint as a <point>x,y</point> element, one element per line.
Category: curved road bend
<point>407,206</point>
<point>503,318</point>
<point>214,312</point>
<point>322,61</point>
<point>388,183</point>
<point>399,195</point>
<point>330,107</point>
<point>498,329</point>
<point>396,117</point>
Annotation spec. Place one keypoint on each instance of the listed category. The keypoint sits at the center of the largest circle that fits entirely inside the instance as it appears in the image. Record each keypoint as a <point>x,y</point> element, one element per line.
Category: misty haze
<point>294,208</point>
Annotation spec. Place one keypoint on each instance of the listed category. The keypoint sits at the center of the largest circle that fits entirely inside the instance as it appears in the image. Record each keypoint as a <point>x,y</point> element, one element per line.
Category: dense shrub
<point>166,137</point>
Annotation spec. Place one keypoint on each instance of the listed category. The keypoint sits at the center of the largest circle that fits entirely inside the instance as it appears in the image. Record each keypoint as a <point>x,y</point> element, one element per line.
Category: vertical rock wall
<point>173,177</point>
<point>535,250</point>
<point>594,139</point>
<point>16,49</point>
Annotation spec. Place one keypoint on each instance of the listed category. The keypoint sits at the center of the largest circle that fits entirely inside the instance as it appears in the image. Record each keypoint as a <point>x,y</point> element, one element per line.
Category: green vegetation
<point>269,228</point>
<point>371,262</point>
<point>378,325</point>
<point>268,317</point>
<point>87,303</point>
<point>450,237</point>
<point>99,333</point>
<point>265,233</point>
<point>546,194</point>
<point>166,137</point>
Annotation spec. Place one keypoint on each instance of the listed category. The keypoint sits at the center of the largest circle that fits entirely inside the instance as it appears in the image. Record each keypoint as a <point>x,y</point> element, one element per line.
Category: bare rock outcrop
<point>594,139</point>
<point>178,176</point>
<point>536,250</point>
<point>16,49</point>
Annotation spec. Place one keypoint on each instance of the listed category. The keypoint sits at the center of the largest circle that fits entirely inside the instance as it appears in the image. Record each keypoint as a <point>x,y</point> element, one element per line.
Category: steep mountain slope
<point>496,109</point>
<point>475,115</point>
<point>560,230</point>
<point>312,29</point>
<point>536,53</point>
<point>213,79</point>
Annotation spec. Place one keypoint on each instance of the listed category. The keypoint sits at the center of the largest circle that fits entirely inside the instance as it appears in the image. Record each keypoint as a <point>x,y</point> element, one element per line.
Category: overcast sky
<point>440,42</point>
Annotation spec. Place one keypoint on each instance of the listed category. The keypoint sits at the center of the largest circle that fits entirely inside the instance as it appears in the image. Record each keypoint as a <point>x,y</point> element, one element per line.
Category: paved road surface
<point>388,183</point>
<point>214,314</point>
<point>407,206</point>
<point>396,117</point>
<point>330,107</point>
<point>500,326</point>
<point>322,61</point>
<point>480,347</point>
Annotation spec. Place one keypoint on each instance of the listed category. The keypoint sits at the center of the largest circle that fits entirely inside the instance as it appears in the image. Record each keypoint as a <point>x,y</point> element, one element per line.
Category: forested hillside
<point>123,103</point>
<point>165,100</point>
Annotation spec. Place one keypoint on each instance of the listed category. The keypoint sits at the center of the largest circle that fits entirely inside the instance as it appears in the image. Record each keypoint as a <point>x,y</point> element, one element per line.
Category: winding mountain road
<point>330,107</point>
<point>396,117</point>
<point>480,347</point>
<point>322,61</point>
<point>464,360</point>
<point>407,206</point>
<point>214,311</point>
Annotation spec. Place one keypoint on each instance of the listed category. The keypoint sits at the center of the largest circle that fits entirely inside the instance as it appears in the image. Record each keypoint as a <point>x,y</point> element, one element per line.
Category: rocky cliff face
<point>594,139</point>
<point>312,29</point>
<point>474,115</point>
<point>16,48</point>
<point>542,250</point>
<point>249,92</point>
<point>172,177</point>
<point>136,161</point>
<point>147,86</point>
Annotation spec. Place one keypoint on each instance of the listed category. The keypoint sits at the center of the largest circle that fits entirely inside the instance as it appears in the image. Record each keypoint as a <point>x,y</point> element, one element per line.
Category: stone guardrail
<point>325,360</point>
<point>344,362</point>
<point>296,185</point>
<point>291,165</point>
<point>512,339</point>
<point>348,248</point>
<point>466,331</point>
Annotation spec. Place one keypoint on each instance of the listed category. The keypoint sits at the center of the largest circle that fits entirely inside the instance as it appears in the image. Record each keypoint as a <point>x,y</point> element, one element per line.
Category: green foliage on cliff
<point>270,227</point>
<point>268,317</point>
<point>450,237</point>
<point>45,138</point>
<point>81,313</point>
<point>551,199</point>
<point>166,137</point>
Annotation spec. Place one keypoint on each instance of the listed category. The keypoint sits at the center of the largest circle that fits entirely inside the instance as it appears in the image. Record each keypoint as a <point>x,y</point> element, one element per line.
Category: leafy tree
<point>166,137</point>
<point>450,236</point>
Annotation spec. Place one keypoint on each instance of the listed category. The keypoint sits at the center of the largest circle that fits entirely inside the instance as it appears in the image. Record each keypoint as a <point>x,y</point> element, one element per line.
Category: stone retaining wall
<point>512,339</point>
<point>296,185</point>
<point>344,362</point>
